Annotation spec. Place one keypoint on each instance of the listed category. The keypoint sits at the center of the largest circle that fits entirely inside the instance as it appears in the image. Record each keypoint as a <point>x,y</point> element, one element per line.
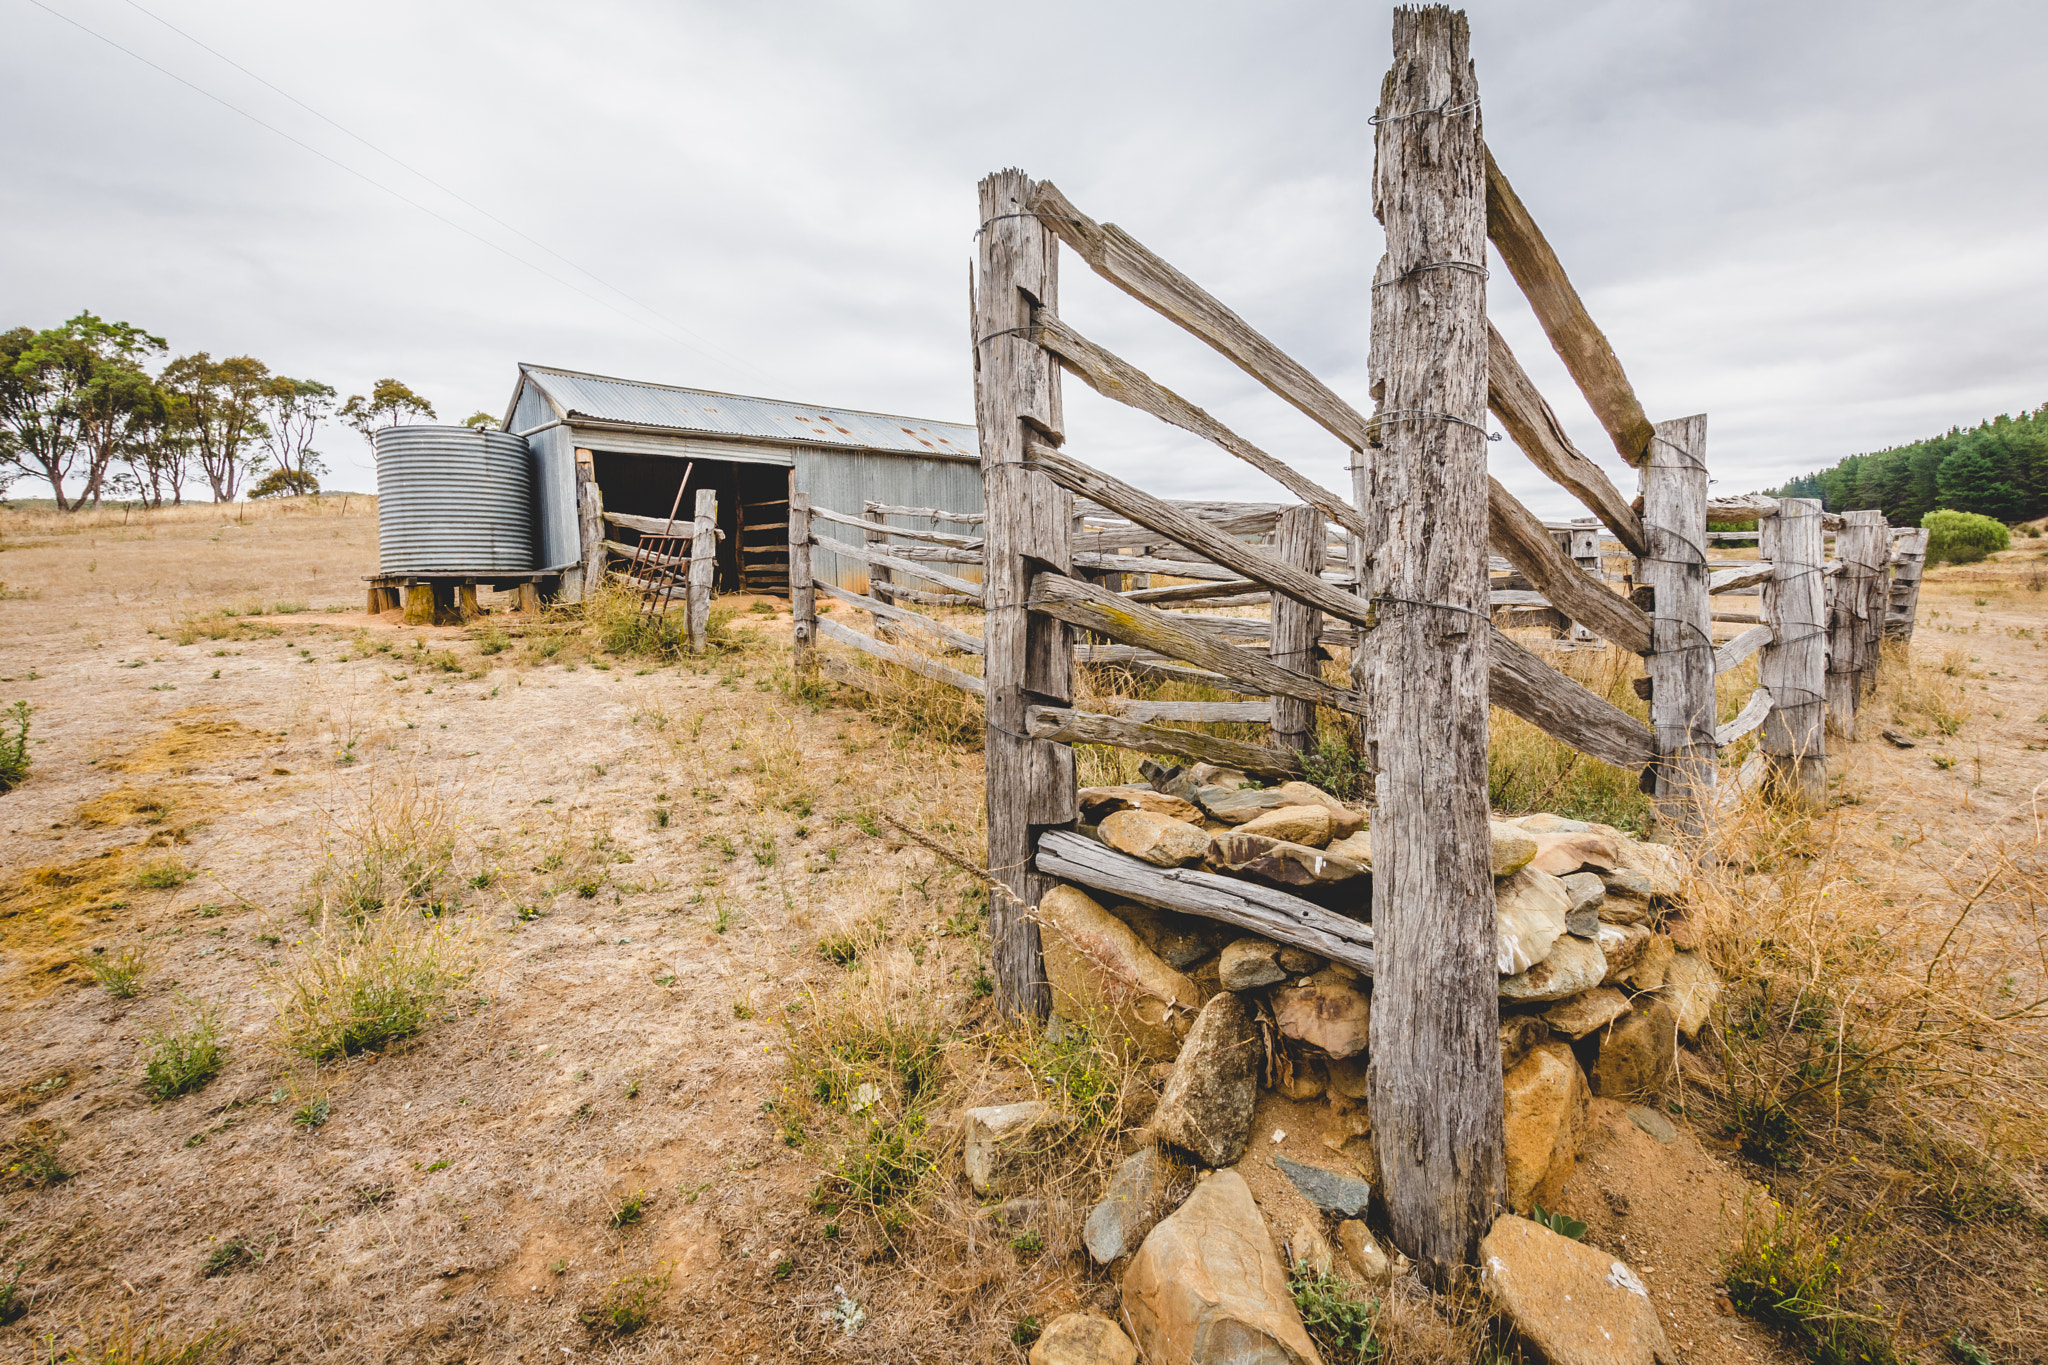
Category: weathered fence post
<point>589,531</point>
<point>1681,664</point>
<point>879,575</point>
<point>1435,1078</point>
<point>1909,561</point>
<point>1860,545</point>
<point>1027,527</point>
<point>1876,602</point>
<point>1582,543</point>
<point>803,596</point>
<point>1299,541</point>
<point>1794,663</point>
<point>703,566</point>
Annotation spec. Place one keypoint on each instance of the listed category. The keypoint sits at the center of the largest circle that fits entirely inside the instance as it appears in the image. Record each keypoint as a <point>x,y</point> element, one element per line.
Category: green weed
<point>628,1303</point>
<point>15,759</point>
<point>28,1160</point>
<point>121,975</point>
<point>1342,1326</point>
<point>182,1060</point>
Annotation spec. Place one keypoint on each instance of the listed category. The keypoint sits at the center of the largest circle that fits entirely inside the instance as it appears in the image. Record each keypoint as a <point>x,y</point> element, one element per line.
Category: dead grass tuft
<point>123,1341</point>
<point>364,983</point>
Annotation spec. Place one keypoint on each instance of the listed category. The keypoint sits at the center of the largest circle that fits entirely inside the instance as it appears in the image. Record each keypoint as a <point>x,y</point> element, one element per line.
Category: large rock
<point>1545,823</point>
<point>1690,989</point>
<point>1279,863</point>
<point>1083,1339</point>
<point>1344,1195</point>
<point>1649,972</point>
<point>1357,847</point>
<point>1310,825</point>
<point>1587,892</point>
<point>1544,1102</point>
<point>1098,803</point>
<point>1530,909</point>
<point>1159,839</point>
<point>1235,805</point>
<point>1206,1109</point>
<point>1580,1015</point>
<point>1346,820</point>
<point>1561,854</point>
<point>1180,940</point>
<point>1661,867</point>
<point>1003,1136</point>
<point>1628,898</point>
<point>1128,1207</point>
<point>1576,1305</point>
<point>1638,1052</point>
<point>1330,1015</point>
<point>1513,847</point>
<point>1249,963</point>
<point>1208,1288</point>
<point>1623,945</point>
<point>1097,966</point>
<point>1574,965</point>
<point>1519,1035</point>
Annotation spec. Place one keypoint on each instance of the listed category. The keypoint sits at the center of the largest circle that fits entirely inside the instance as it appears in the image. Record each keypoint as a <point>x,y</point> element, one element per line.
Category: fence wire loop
<point>1379,419</point>
<point>1444,110</point>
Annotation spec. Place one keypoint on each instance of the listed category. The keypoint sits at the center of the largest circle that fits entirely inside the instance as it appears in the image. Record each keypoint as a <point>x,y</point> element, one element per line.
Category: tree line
<point>1998,469</point>
<point>81,410</point>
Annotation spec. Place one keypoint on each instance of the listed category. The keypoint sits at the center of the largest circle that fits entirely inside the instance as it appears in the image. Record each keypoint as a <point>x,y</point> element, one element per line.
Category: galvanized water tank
<point>454,500</point>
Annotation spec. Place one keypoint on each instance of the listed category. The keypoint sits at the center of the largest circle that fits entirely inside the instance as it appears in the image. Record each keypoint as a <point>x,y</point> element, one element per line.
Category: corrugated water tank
<point>453,500</point>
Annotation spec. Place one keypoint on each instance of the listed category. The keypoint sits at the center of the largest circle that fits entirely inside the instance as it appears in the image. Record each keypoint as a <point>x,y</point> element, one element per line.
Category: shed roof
<point>701,412</point>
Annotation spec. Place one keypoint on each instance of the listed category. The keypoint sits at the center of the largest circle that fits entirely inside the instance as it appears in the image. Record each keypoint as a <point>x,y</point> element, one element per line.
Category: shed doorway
<point>753,510</point>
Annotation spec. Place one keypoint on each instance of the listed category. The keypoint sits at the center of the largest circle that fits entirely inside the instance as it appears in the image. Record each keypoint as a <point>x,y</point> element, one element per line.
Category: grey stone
<point>1653,1123</point>
<point>1235,805</point>
<point>1207,1108</point>
<point>1250,963</point>
<point>1128,1207</point>
<point>1344,1195</point>
<point>1000,1135</point>
<point>1587,892</point>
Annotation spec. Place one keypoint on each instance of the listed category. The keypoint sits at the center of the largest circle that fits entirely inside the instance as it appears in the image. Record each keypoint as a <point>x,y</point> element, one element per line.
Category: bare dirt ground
<point>642,860</point>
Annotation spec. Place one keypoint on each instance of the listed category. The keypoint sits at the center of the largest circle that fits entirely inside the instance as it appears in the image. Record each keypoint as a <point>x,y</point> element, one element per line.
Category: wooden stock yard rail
<point>1060,565</point>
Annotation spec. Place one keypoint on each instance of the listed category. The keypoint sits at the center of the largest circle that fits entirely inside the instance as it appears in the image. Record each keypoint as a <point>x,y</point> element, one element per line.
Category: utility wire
<point>570,285</point>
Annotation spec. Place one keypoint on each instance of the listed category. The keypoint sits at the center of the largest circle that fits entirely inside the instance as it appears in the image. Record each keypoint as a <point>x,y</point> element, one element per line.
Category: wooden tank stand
<point>450,599</point>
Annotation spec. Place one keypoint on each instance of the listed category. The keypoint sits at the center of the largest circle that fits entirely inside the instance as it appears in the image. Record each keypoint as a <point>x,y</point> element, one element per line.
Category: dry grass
<point>1529,771</point>
<point>360,985</point>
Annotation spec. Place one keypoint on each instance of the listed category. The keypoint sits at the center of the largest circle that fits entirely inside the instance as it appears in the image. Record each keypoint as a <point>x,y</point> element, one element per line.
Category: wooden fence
<point>1398,572</point>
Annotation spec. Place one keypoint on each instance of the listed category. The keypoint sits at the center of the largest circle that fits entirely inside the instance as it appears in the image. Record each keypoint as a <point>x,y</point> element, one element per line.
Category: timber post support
<point>1794,663</point>
<point>1435,1078</point>
<point>703,567</point>
<point>589,532</point>
<point>1028,523</point>
<point>880,576</point>
<point>1295,627</point>
<point>1681,661</point>
<point>1860,545</point>
<point>803,594</point>
<point>1909,562</point>
<point>1876,602</point>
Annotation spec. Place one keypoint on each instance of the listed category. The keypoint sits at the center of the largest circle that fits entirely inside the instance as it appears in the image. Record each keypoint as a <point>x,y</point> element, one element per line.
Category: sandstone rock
<point>1129,1206</point>
<point>1356,847</point>
<point>1684,932</point>
<point>1279,863</point>
<point>1235,805</point>
<point>1545,823</point>
<point>1097,803</point>
<point>1344,1195</point>
<point>1628,898</point>
<point>1623,945</point>
<point>1530,909</point>
<point>1310,825</point>
<point>1187,783</point>
<point>1347,820</point>
<point>1097,966</point>
<point>1308,1248</point>
<point>1208,1287</point>
<point>1691,988</point>
<point>1207,1108</point>
<point>1519,1034</point>
<point>1580,1015</point>
<point>1303,1080</point>
<point>1371,1263</point>
<point>1576,1305</point>
<point>1587,892</point>
<point>1083,1339</point>
<point>1649,972</point>
<point>1249,963</point>
<point>1659,866</point>
<point>1543,1105</point>
<point>1180,940</point>
<point>1559,854</point>
<point>1347,1077</point>
<point>1637,1052</point>
<point>1332,1016</point>
<point>1513,847</point>
<point>1159,839</point>
<point>1574,965</point>
<point>1002,1135</point>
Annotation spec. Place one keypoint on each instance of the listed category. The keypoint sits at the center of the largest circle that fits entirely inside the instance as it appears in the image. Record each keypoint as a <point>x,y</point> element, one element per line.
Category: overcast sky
<point>1819,223</point>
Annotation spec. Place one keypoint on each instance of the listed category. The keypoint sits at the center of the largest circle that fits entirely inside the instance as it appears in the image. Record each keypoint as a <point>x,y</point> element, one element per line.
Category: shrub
<point>362,985</point>
<point>628,1303</point>
<point>182,1060</point>
<point>1341,1326</point>
<point>14,756</point>
<point>121,973</point>
<point>1792,1276</point>
<point>285,483</point>
<point>1952,535</point>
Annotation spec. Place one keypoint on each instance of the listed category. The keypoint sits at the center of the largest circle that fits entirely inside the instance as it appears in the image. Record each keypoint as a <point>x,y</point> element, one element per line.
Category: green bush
<point>14,759</point>
<point>182,1060</point>
<point>285,483</point>
<point>1951,536</point>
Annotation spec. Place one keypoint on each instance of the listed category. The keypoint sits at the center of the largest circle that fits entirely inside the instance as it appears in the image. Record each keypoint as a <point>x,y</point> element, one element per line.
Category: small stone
<point>1580,1015</point>
<point>1002,1135</point>
<point>1235,805</point>
<point>1307,1247</point>
<point>1347,1077</point>
<point>1587,892</point>
<point>1207,1108</point>
<point>1345,819</point>
<point>1128,1208</point>
<point>1356,847</point>
<point>1332,1016</point>
<point>1250,963</point>
<point>1649,972</point>
<point>1207,1287</point>
<point>1513,847</point>
<point>1543,1100</point>
<point>1653,1123</point>
<point>1083,1339</point>
<point>1304,1080</point>
<point>1363,1252</point>
<point>1529,917</point>
<point>1180,940</point>
<point>1300,961</point>
<point>1638,1052</point>
<point>1310,825</point>
<point>1519,1035</point>
<point>1624,946</point>
<point>1021,1212</point>
<point>1097,966</point>
<point>1098,803</point>
<point>1279,863</point>
<point>1690,988</point>
<point>1158,839</point>
<point>1560,854</point>
<point>1574,965</point>
<point>1576,1305</point>
<point>1344,1195</point>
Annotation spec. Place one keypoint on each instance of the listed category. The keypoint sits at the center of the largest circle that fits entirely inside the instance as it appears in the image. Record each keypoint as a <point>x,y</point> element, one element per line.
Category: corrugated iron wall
<point>556,539</point>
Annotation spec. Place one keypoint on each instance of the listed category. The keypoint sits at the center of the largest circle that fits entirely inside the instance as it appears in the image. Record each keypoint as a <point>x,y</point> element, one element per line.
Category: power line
<point>395,194</point>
